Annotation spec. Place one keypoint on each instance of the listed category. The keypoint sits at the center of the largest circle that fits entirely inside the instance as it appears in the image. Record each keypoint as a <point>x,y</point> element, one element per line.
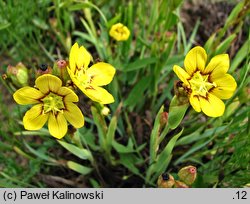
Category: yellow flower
<point>53,103</point>
<point>89,80</point>
<point>119,32</point>
<point>207,84</point>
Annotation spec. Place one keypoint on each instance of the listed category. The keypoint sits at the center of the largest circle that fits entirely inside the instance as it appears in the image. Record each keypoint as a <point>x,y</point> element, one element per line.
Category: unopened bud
<point>53,22</point>
<point>43,69</point>
<point>165,181</point>
<point>60,70</point>
<point>105,111</point>
<point>181,93</point>
<point>68,42</point>
<point>18,74</point>
<point>187,174</point>
<point>247,185</point>
<point>164,118</point>
<point>179,184</point>
<point>62,64</point>
<point>4,76</point>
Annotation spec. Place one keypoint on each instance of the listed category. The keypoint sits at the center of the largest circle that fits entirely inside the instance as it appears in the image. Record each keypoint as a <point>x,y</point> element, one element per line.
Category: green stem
<point>163,134</point>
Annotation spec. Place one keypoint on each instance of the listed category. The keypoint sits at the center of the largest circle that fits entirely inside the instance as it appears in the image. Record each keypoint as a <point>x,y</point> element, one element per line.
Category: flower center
<point>53,102</point>
<point>84,78</point>
<point>120,31</point>
<point>200,85</point>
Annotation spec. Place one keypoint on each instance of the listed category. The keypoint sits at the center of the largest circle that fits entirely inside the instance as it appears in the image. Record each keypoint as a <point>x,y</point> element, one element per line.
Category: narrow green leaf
<point>88,138</point>
<point>223,46</point>
<point>176,113</point>
<point>79,152</point>
<point>84,36</point>
<point>87,4</point>
<point>17,181</point>
<point>234,13</point>
<point>196,136</point>
<point>87,27</point>
<point>242,53</point>
<point>22,153</point>
<point>139,64</point>
<point>209,44</point>
<point>164,157</point>
<point>4,26</point>
<point>39,154</point>
<point>192,37</point>
<point>154,13</point>
<point>101,126</point>
<point>111,132</point>
<point>121,148</point>
<point>193,149</point>
<point>94,183</point>
<point>114,20</point>
<point>136,93</point>
<point>154,136</point>
<point>79,168</point>
<point>165,55</point>
<point>40,23</point>
<point>129,161</point>
<point>176,59</point>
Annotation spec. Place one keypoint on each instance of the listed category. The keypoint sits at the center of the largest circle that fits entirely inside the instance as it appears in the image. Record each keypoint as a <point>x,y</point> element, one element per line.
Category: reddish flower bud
<point>18,74</point>
<point>60,70</point>
<point>188,174</point>
<point>165,181</point>
<point>61,64</point>
<point>179,184</point>
<point>164,118</point>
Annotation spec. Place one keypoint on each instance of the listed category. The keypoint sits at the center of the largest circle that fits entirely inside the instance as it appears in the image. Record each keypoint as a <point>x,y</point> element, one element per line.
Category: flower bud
<point>164,119</point>
<point>179,184</point>
<point>4,76</point>
<point>43,69</point>
<point>165,181</point>
<point>60,70</point>
<point>119,32</point>
<point>18,74</point>
<point>105,111</point>
<point>188,174</point>
<point>53,22</point>
<point>181,93</point>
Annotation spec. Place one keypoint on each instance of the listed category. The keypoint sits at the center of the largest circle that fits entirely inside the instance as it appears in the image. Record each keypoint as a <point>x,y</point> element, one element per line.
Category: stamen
<point>53,103</point>
<point>200,85</point>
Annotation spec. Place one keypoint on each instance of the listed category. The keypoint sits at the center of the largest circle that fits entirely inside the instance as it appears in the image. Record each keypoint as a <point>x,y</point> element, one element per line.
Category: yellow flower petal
<point>218,66</point>
<point>195,103</point>
<point>68,94</point>
<point>34,119</point>
<point>212,106</point>
<point>79,57</point>
<point>57,125</point>
<point>27,95</point>
<point>119,32</point>
<point>101,73</point>
<point>195,60</point>
<point>72,57</point>
<point>73,115</point>
<point>225,87</point>
<point>47,83</point>
<point>182,74</point>
<point>98,94</point>
<point>83,58</point>
<point>72,75</point>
